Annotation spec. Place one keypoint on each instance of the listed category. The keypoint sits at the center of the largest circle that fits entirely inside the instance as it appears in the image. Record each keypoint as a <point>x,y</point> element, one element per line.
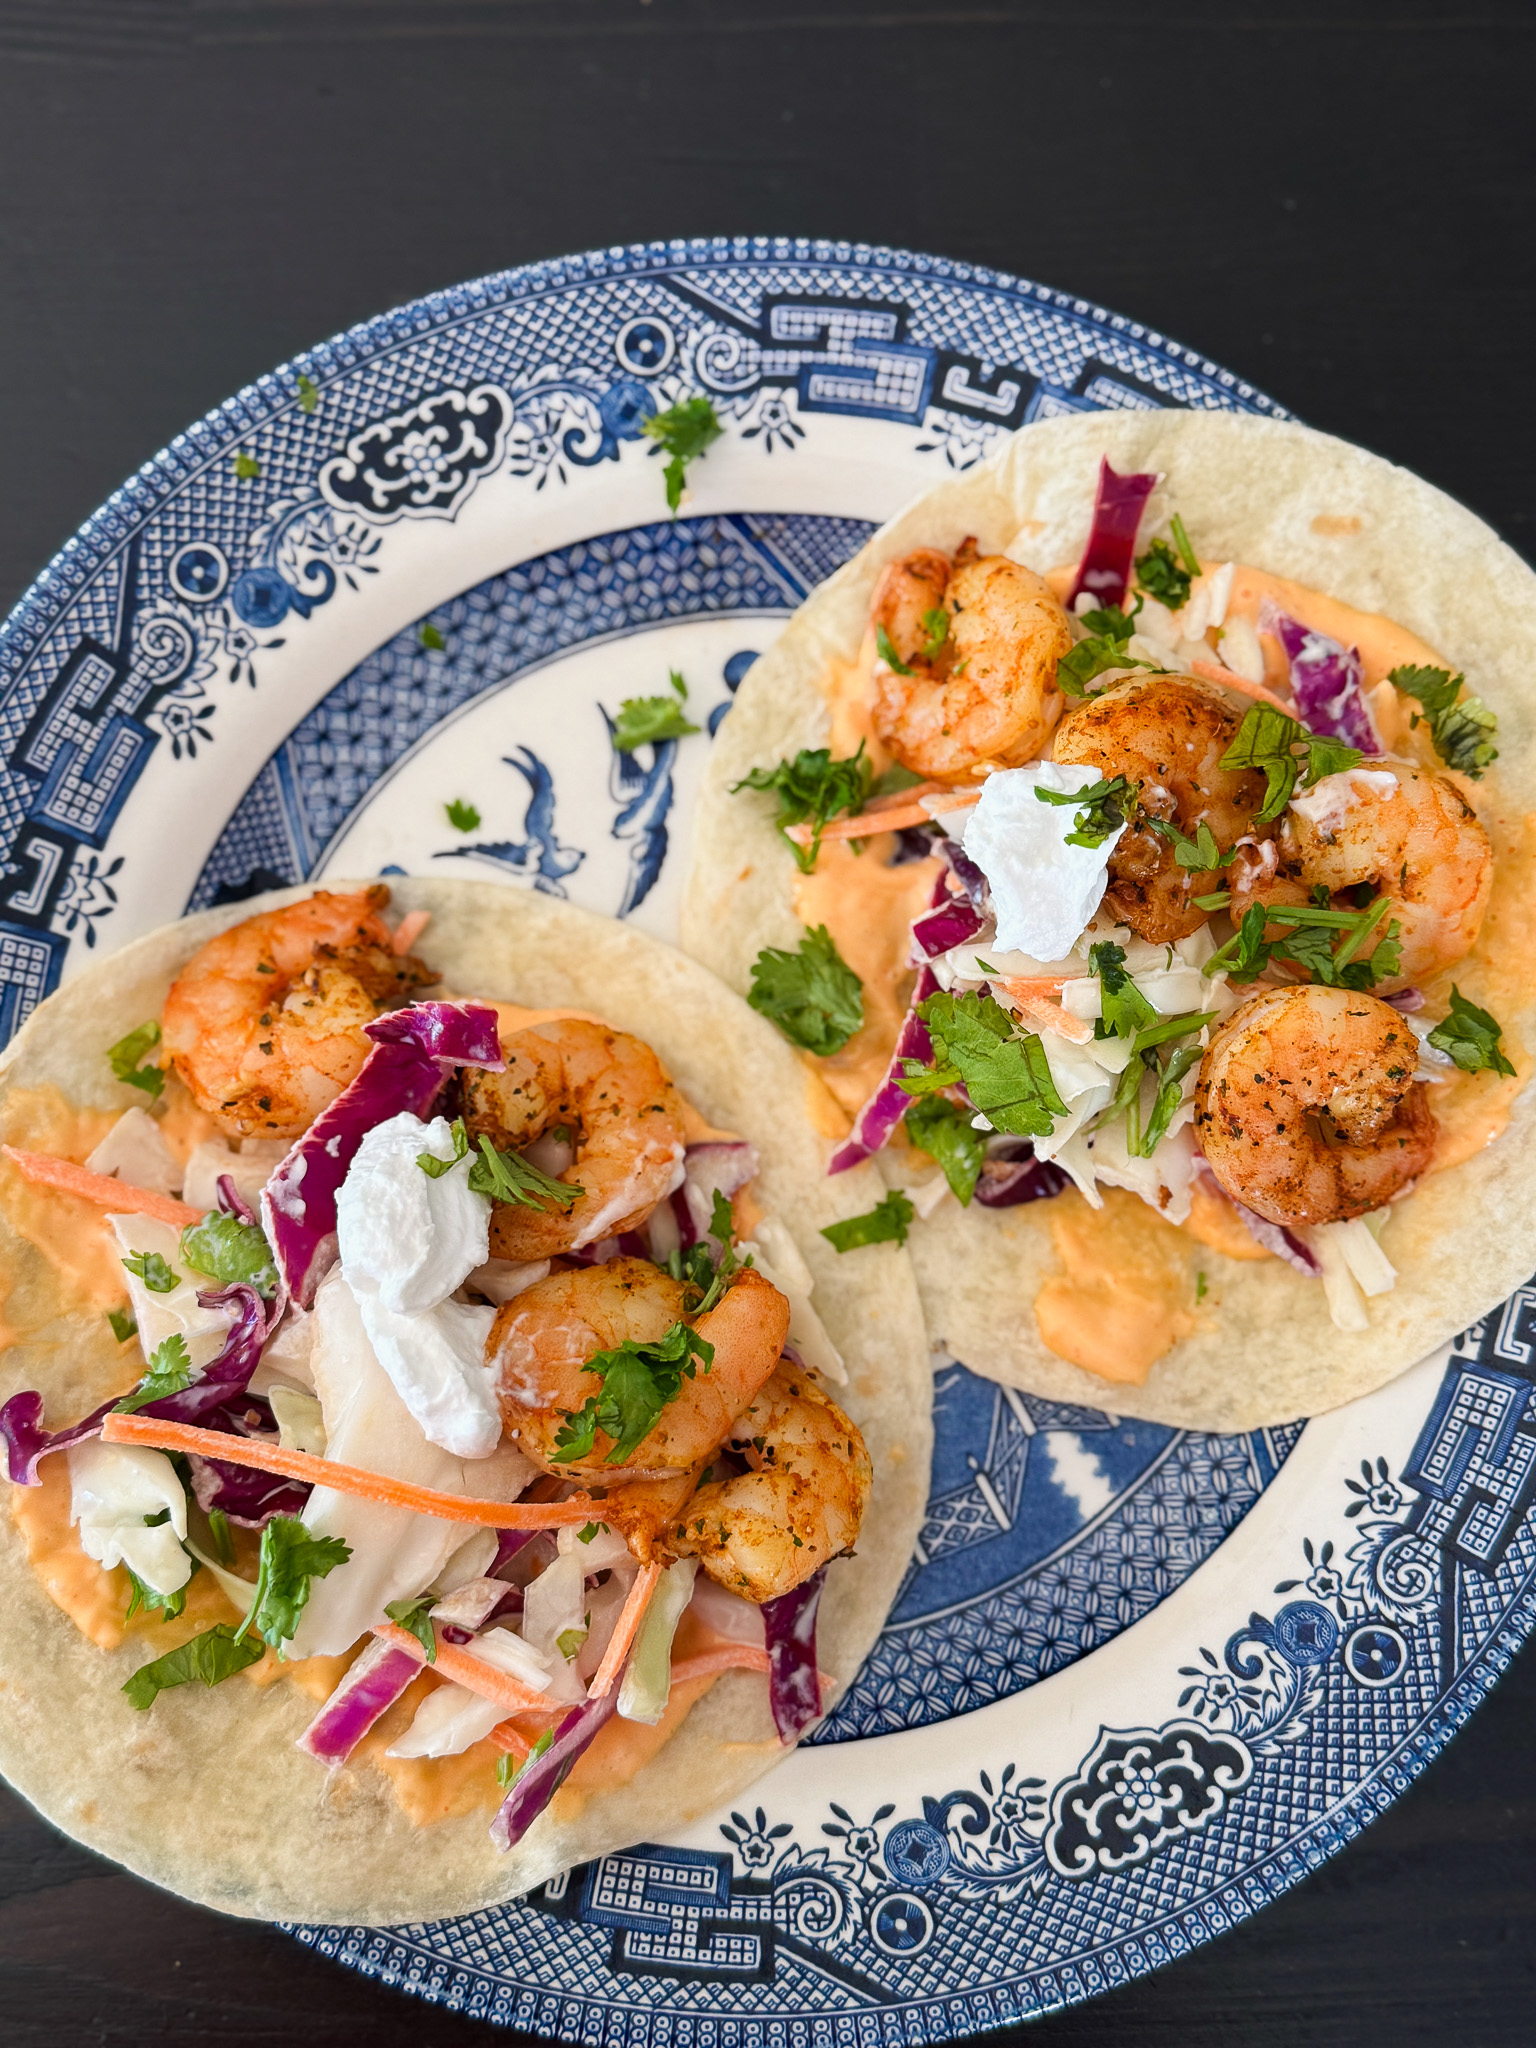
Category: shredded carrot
<point>1229,679</point>
<point>907,810</point>
<point>1037,999</point>
<point>914,793</point>
<point>511,1740</point>
<point>409,930</point>
<point>631,1614</point>
<point>724,1657</point>
<point>46,1171</point>
<point>395,1493</point>
<point>473,1673</point>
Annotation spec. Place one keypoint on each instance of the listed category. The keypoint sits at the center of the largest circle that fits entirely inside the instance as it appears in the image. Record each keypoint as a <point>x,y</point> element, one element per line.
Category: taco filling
<point>474,1392</point>
<point>1152,874</point>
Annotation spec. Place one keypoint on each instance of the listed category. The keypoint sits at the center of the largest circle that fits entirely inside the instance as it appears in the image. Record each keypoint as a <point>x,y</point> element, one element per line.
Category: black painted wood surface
<point>1334,200</point>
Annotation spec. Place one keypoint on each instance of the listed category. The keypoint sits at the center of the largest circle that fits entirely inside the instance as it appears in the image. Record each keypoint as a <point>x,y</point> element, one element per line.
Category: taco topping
<point>1208,859</point>
<point>492,1388</point>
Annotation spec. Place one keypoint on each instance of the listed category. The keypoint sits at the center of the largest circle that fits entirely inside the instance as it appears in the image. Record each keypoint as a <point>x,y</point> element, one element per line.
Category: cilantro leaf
<point>223,1542</point>
<point>1471,1037</point>
<point>812,994</point>
<point>936,626</point>
<point>569,1642</point>
<point>170,1372</point>
<point>509,1770</point>
<point>639,1379</point>
<point>429,636</point>
<point>893,780</point>
<point>124,1058</point>
<point>433,1167</point>
<point>1185,547</point>
<point>231,1252</point>
<point>684,431</point>
<point>1246,954</point>
<point>211,1657</point>
<point>943,1130</point>
<point>1327,757</point>
<point>885,647</point>
<point>508,1177</point>
<point>1170,1093</point>
<point>887,1223</point>
<point>246,465</point>
<point>1264,740</point>
<point>415,1616</point>
<point>152,1269</point>
<point>124,1324</point>
<point>1463,731</point>
<point>812,789</point>
<point>1109,629</point>
<point>1106,806</point>
<point>309,393</point>
<point>1123,1008</point>
<point>168,1605</point>
<point>647,721</point>
<point>290,1558</point>
<point>1198,856</point>
<point>1162,575</point>
<point>461,816</point>
<point>1008,1078</point>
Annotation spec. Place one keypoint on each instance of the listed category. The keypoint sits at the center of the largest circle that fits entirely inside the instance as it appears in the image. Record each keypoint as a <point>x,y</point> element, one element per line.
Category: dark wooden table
<point>1335,200</point>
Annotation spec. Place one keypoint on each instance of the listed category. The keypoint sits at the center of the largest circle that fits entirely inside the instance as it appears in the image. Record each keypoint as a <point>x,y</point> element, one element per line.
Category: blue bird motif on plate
<point>540,854</point>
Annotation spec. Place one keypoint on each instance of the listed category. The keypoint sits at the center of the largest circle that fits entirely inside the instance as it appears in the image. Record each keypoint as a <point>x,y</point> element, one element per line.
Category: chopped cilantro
<point>1170,1093</point>
<point>1267,739</point>
<point>943,1130</point>
<point>461,816</point>
<point>1182,542</point>
<point>684,432</point>
<point>309,393</point>
<point>433,1167</point>
<point>124,1324</point>
<point>1462,732</point>
<point>893,780</point>
<point>231,1252</point>
<point>1306,943</point>
<point>591,1529</point>
<point>152,1269</point>
<point>170,1372</point>
<point>1106,806</point>
<point>290,1558</point>
<point>569,1642</point>
<point>812,994</point>
<point>429,636</point>
<point>1198,856</point>
<point>124,1058</point>
<point>1201,1290</point>
<point>168,1605</point>
<point>887,1223</point>
<point>223,1542</point>
<point>216,1654</point>
<point>639,1379</point>
<point>508,1769</point>
<point>885,647</point>
<point>508,1177</point>
<point>813,789</point>
<point>1008,1078</point>
<point>1327,756</point>
<point>1162,575</point>
<point>1124,1010</point>
<point>246,465</point>
<point>1471,1037</point>
<point>936,626</point>
<point>415,1617</point>
<point>647,721</point>
<point>1109,630</point>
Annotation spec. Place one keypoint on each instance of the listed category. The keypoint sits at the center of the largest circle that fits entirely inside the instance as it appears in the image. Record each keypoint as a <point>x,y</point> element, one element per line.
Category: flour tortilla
<point>205,1792</point>
<point>1301,505</point>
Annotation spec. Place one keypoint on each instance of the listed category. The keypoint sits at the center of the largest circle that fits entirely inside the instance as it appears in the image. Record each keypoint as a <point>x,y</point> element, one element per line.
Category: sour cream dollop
<point>1043,891</point>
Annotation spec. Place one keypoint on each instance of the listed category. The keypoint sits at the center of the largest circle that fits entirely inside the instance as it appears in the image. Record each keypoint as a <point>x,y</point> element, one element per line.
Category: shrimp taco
<point>443,1447</point>
<point>1136,837</point>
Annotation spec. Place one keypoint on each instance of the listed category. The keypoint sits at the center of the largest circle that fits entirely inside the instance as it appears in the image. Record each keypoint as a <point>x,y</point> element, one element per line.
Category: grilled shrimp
<point>980,638</point>
<point>1307,1110</point>
<point>1393,829</point>
<point>765,1531</point>
<point>543,1338</point>
<point>612,1119</point>
<point>1166,735</point>
<point>264,1023</point>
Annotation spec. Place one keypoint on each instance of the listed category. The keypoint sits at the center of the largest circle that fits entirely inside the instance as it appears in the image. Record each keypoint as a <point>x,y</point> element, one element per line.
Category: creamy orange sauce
<point>868,908</point>
<point>1383,644</point>
<point>69,1232</point>
<point>1213,1222</point>
<point>182,1124</point>
<point>1125,1297</point>
<point>848,689</point>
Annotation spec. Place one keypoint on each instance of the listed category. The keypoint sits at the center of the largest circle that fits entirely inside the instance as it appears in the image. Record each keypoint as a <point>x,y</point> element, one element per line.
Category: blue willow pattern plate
<point>1137,1680</point>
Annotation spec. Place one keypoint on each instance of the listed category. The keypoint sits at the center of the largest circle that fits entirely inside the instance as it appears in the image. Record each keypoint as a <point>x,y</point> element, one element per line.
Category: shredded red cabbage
<point>541,1777</point>
<point>978,890</point>
<point>1011,1175</point>
<point>1105,569</point>
<point>951,924</point>
<point>1407,1000</point>
<point>232,1201</point>
<point>26,1441</point>
<point>375,1681</point>
<point>1282,1242</point>
<point>877,1120</point>
<point>794,1682</point>
<point>1326,681</point>
<point>414,1051</point>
